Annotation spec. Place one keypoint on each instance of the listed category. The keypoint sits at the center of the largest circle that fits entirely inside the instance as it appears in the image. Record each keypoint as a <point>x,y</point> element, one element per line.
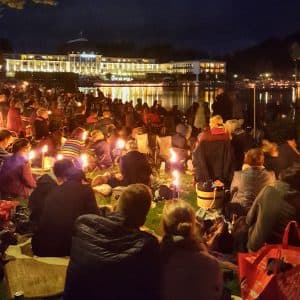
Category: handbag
<point>209,196</point>
<point>273,272</point>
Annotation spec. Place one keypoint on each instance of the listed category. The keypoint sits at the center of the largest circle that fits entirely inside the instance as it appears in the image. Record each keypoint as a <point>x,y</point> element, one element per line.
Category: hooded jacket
<point>109,261</point>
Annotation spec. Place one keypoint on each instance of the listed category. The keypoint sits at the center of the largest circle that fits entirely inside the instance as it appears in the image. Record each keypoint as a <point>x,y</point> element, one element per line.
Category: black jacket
<point>37,198</point>
<point>135,168</point>
<point>41,127</point>
<point>109,261</point>
<point>62,207</point>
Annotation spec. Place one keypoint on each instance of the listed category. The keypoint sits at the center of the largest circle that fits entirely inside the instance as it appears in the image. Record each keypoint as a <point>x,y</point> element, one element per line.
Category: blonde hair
<point>216,121</point>
<point>254,157</point>
<point>41,111</point>
<point>268,147</point>
<point>97,133</point>
<point>178,218</point>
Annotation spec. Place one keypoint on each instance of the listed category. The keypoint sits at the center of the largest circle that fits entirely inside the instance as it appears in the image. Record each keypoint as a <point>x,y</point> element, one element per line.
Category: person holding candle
<point>16,175</point>
<point>41,124</point>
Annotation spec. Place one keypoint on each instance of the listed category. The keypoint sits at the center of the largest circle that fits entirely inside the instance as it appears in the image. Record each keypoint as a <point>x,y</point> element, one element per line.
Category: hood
<point>46,180</point>
<point>101,240</point>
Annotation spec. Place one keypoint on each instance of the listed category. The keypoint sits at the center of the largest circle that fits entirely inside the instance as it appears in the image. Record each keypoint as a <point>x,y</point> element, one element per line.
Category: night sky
<point>217,26</point>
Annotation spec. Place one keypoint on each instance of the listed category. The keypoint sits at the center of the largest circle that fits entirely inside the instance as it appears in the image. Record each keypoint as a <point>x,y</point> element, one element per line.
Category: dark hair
<point>61,167</point>
<point>291,176</point>
<point>4,134</point>
<point>76,174</point>
<point>77,133</point>
<point>19,144</point>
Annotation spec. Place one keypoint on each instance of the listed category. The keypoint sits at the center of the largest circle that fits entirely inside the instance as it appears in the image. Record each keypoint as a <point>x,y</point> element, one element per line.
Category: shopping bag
<point>254,271</point>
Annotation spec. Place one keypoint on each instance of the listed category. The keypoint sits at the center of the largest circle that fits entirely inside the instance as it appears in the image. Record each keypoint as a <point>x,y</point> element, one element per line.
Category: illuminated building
<point>110,68</point>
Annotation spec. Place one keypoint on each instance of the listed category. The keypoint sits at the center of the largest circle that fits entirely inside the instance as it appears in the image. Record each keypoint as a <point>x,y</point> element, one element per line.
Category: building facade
<point>110,68</point>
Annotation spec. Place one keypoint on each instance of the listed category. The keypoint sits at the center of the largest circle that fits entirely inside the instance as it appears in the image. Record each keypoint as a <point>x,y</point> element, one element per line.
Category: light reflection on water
<point>184,96</point>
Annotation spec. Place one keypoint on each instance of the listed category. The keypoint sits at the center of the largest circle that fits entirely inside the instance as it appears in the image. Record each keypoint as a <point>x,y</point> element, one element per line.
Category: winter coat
<point>44,186</point>
<point>179,141</point>
<point>200,121</point>
<point>16,178</point>
<point>213,157</point>
<point>4,155</point>
<point>41,128</point>
<point>63,205</point>
<point>287,156</point>
<point>247,184</point>
<point>188,271</point>
<point>109,261</point>
<point>273,208</point>
<point>135,168</point>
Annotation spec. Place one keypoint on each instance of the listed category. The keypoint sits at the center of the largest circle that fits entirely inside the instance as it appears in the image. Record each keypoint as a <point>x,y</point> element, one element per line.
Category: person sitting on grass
<point>188,271</point>
<point>63,205</point>
<point>111,258</point>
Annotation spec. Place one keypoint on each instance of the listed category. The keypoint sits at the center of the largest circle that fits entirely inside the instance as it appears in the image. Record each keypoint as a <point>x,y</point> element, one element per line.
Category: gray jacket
<point>247,184</point>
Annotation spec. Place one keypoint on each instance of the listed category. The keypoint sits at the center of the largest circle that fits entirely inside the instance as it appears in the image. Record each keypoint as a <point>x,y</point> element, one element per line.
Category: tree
<point>19,4</point>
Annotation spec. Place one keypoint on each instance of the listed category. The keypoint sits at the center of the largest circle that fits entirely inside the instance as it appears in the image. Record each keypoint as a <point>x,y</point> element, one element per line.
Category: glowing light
<point>49,112</point>
<point>45,149</point>
<point>84,136</point>
<point>173,158</point>
<point>59,157</point>
<point>84,160</point>
<point>175,175</point>
<point>31,155</point>
<point>88,55</point>
<point>79,104</point>
<point>120,144</point>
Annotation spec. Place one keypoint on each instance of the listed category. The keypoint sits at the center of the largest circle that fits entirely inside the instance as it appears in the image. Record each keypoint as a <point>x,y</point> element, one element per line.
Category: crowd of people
<point>110,255</point>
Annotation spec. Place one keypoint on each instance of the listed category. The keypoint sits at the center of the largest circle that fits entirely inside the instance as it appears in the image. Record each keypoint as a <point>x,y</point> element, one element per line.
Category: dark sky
<point>217,26</point>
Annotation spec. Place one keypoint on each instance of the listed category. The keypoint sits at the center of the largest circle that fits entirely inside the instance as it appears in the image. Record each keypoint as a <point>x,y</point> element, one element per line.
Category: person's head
<point>131,145</point>
<point>291,176</point>
<point>43,113</point>
<point>134,204</point>
<point>21,147</point>
<point>216,121</point>
<point>178,218</point>
<point>61,168</point>
<point>93,113</point>
<point>254,157</point>
<point>270,148</point>
<point>106,114</point>
<point>78,133</point>
<point>97,135</point>
<point>5,138</point>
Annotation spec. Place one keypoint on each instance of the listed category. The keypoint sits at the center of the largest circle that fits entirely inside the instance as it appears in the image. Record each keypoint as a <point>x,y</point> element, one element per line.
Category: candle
<point>31,155</point>
<point>84,136</point>
<point>59,157</point>
<point>120,144</point>
<point>84,160</point>
<point>173,158</point>
<point>175,175</point>
<point>44,150</point>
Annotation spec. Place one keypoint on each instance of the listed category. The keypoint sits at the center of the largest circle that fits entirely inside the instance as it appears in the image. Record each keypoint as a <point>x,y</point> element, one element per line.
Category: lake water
<point>184,96</point>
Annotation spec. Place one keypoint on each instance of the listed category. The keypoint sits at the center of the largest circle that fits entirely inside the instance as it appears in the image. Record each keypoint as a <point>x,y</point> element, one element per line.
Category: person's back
<point>111,258</point>
<point>62,207</point>
<point>188,271</point>
<point>248,183</point>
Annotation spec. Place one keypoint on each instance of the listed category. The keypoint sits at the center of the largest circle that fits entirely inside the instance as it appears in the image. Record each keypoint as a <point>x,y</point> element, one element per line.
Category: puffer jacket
<point>109,261</point>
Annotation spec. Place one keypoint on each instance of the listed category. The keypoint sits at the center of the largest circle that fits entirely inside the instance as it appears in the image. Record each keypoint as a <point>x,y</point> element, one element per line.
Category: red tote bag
<point>257,284</point>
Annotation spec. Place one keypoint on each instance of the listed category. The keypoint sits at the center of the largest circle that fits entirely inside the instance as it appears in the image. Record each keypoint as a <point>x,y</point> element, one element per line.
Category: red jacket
<point>14,121</point>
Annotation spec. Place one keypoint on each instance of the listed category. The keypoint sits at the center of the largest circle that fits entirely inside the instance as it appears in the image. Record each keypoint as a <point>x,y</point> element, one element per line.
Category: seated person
<point>273,209</point>
<point>134,166</point>
<point>63,205</point>
<point>92,118</point>
<point>5,140</point>
<point>16,179</point>
<point>45,185</point>
<point>247,184</point>
<point>41,124</point>
<point>110,255</point>
<point>102,149</point>
<point>188,271</point>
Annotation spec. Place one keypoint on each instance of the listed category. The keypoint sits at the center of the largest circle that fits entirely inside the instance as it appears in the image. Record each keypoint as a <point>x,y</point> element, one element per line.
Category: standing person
<point>111,258</point>
<point>188,271</point>
<point>213,156</point>
<point>15,175</point>
<point>63,205</point>
<point>222,106</point>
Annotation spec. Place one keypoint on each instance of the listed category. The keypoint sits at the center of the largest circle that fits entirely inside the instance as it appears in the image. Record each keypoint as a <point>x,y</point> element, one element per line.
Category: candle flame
<point>84,160</point>
<point>173,158</point>
<point>120,144</point>
<point>45,149</point>
<point>59,157</point>
<point>31,155</point>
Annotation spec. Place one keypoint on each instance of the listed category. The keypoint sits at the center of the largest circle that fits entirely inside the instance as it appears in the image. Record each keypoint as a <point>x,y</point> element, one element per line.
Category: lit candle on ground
<point>44,151</point>
<point>175,175</point>
<point>173,158</point>
<point>84,160</point>
<point>120,144</point>
<point>59,157</point>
